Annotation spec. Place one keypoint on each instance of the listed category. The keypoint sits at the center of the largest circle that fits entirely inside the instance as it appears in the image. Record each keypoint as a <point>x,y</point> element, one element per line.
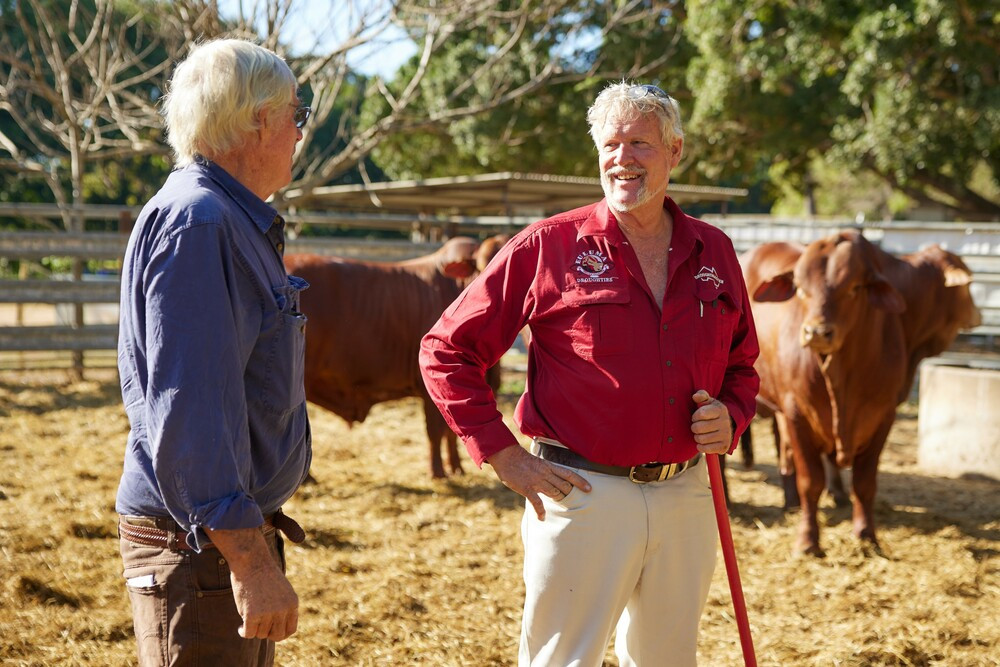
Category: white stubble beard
<point>642,197</point>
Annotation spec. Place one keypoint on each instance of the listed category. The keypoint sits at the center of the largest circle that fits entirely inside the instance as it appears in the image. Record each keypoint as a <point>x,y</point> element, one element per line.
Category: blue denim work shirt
<point>211,358</point>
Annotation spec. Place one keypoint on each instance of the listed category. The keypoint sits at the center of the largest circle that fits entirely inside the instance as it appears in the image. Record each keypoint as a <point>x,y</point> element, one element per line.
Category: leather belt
<point>165,533</point>
<point>640,474</point>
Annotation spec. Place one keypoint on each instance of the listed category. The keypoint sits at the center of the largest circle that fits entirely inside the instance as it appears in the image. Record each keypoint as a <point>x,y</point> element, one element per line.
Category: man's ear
<point>676,150</point>
<point>263,122</point>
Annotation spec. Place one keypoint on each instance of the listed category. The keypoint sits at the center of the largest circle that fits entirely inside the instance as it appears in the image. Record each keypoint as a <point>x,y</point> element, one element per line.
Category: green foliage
<point>546,130</point>
<point>871,106</point>
<point>130,181</point>
<point>907,91</point>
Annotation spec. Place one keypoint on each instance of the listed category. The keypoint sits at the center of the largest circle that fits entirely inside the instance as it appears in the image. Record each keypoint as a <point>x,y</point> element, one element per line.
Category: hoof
<point>872,550</point>
<point>812,550</point>
<point>841,501</point>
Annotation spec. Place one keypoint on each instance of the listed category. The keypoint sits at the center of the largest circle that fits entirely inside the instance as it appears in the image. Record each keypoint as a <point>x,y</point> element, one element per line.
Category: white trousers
<point>638,557</point>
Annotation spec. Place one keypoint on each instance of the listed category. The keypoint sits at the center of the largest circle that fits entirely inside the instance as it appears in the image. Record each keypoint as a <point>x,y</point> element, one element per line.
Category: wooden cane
<point>729,554</point>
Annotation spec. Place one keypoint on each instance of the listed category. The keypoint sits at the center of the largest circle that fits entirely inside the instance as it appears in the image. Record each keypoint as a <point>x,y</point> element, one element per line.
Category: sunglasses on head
<point>639,91</point>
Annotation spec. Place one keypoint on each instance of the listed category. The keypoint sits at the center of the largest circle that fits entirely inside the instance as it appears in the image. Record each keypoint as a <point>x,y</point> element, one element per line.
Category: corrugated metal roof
<point>505,193</point>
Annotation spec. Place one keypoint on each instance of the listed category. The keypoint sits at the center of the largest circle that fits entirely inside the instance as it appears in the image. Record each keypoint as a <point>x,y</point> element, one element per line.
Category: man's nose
<point>622,155</point>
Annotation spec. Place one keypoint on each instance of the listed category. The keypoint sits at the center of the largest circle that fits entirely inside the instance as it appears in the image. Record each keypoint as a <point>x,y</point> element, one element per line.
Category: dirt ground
<point>399,569</point>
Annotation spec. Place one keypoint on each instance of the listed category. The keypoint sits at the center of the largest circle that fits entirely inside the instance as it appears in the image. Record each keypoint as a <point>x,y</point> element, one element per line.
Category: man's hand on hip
<point>531,476</point>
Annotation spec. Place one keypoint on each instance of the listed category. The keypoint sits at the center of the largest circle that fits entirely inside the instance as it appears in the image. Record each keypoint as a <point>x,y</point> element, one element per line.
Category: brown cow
<point>934,284</point>
<point>833,361</point>
<point>365,324</point>
<point>488,249</point>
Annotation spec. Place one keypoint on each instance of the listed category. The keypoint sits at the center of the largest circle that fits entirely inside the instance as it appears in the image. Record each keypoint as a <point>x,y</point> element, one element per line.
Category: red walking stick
<point>729,554</point>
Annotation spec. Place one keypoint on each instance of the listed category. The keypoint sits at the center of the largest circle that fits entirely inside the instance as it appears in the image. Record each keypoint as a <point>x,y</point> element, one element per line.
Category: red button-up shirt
<point>610,375</point>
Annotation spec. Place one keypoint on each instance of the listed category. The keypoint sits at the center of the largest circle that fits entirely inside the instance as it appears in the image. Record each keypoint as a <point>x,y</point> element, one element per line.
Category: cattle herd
<point>842,327</point>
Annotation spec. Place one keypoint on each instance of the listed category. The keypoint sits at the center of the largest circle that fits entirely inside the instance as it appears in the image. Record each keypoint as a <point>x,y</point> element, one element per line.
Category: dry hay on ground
<point>399,569</point>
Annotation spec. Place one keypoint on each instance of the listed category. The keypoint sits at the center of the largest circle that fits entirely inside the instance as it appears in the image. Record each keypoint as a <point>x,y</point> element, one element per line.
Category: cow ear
<point>883,295</point>
<point>779,288</point>
<point>956,276</point>
<point>458,270</point>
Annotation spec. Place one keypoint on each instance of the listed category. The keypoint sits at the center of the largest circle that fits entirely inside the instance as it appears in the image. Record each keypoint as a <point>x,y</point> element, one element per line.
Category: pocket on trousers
<point>150,622</point>
<point>215,607</point>
<point>700,473</point>
<point>575,500</point>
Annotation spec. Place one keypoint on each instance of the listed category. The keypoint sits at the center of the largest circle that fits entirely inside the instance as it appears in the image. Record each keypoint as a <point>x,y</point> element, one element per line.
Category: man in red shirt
<point>640,362</point>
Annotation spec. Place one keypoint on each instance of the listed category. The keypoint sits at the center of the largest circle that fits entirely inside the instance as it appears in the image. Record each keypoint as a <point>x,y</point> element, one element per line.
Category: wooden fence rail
<point>978,244</point>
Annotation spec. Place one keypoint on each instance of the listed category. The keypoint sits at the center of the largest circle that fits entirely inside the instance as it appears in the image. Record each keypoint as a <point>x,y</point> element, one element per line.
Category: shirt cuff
<point>488,441</point>
<point>736,418</point>
<point>234,512</point>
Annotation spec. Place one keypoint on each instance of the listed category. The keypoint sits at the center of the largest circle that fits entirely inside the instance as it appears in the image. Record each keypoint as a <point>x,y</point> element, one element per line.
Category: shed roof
<point>504,193</point>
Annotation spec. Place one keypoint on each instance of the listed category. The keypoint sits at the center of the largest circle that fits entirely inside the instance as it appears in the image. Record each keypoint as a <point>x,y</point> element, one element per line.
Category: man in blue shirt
<point>211,357</point>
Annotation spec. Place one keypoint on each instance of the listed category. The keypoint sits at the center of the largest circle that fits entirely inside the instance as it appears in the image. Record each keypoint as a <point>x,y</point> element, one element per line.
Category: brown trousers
<point>183,608</point>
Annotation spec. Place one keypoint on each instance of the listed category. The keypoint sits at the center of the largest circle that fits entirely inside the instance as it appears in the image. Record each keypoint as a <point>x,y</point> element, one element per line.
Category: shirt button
<point>222,561</point>
<point>281,246</point>
<point>670,363</point>
<point>671,401</point>
<point>664,327</point>
<point>670,438</point>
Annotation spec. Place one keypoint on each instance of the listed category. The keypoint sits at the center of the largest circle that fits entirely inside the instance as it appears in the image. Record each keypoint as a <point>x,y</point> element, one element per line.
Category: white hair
<point>216,94</point>
<point>627,101</point>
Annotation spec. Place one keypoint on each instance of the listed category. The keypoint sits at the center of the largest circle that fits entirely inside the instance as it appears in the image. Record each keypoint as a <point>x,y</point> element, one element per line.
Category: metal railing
<point>977,243</point>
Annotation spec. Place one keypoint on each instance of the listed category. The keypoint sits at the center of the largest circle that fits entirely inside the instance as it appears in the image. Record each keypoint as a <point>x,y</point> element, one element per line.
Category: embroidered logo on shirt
<point>593,265</point>
<point>709,274</point>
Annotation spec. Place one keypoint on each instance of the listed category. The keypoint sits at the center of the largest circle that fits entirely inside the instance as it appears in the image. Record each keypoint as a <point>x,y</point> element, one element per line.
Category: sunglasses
<point>301,115</point>
<point>639,91</point>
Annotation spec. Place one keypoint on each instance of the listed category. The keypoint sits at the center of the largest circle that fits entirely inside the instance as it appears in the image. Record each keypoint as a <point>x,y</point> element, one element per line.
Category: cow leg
<point>746,449</point>
<point>809,479</point>
<point>810,487</point>
<point>722,471</point>
<point>454,463</point>
<point>835,482</point>
<point>864,483</point>
<point>436,429</point>
<point>786,463</point>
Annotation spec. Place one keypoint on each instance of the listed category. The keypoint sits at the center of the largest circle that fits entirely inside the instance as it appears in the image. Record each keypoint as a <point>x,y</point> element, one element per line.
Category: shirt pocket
<point>718,315</point>
<point>601,323</point>
<point>284,387</point>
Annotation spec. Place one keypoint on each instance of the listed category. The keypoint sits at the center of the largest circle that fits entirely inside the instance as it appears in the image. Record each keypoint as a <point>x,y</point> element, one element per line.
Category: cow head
<point>456,259</point>
<point>835,280</point>
<point>488,249</point>
<point>957,276</point>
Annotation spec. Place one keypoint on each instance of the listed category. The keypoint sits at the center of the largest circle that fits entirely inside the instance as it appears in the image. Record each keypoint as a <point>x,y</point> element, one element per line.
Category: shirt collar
<point>601,222</point>
<point>260,213</point>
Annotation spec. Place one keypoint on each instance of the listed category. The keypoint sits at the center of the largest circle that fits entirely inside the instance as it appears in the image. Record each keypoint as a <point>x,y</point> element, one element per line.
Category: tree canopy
<point>905,91</point>
<point>901,96</point>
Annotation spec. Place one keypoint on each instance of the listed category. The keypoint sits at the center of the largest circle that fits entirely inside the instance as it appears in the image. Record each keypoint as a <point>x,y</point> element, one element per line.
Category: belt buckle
<point>666,471</point>
<point>651,474</point>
